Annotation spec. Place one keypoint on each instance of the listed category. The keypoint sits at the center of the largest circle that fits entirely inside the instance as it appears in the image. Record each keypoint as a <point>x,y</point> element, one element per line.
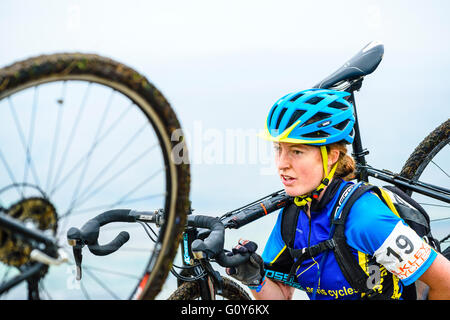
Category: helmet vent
<point>352,133</point>
<point>342,125</point>
<point>283,111</point>
<point>319,116</point>
<point>271,115</point>
<point>338,105</point>
<point>295,116</point>
<point>314,100</point>
<point>296,97</point>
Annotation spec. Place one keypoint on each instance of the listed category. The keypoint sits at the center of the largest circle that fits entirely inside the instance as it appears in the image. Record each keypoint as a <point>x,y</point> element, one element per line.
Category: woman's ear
<point>333,157</point>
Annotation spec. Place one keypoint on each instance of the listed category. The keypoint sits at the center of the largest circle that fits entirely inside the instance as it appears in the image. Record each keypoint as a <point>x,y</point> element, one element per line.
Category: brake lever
<point>78,258</point>
<point>74,240</point>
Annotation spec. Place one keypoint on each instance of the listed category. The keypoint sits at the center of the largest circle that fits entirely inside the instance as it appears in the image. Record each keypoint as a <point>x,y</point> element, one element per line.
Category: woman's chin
<point>290,191</point>
<point>295,191</point>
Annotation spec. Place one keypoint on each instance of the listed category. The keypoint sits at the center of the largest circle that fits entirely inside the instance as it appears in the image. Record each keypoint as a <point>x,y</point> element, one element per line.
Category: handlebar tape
<point>90,231</point>
<point>118,215</point>
<point>103,250</point>
<point>212,246</point>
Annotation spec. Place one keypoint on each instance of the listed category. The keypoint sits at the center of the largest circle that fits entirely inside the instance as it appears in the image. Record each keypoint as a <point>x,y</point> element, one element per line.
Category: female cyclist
<point>310,130</point>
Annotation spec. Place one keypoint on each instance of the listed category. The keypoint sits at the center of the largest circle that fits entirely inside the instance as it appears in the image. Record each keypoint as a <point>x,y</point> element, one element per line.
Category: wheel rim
<point>62,174</point>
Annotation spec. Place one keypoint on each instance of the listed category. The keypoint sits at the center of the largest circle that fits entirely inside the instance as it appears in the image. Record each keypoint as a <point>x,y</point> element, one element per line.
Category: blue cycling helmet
<point>314,116</point>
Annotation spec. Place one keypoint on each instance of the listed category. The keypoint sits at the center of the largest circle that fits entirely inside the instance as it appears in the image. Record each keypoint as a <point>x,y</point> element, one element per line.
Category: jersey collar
<point>328,195</point>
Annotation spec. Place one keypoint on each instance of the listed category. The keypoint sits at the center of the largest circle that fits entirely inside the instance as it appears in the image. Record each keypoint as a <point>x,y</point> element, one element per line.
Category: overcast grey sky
<point>222,64</point>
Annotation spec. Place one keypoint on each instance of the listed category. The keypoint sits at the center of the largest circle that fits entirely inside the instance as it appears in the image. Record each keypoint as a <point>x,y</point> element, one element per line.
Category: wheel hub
<point>36,213</point>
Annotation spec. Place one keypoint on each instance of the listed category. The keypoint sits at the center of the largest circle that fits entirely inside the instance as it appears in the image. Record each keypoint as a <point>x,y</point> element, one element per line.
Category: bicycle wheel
<point>429,163</point>
<point>81,134</point>
<point>191,291</point>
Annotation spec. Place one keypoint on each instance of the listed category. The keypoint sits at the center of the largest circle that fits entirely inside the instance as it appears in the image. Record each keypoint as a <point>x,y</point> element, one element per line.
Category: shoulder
<point>374,229</point>
<point>369,223</point>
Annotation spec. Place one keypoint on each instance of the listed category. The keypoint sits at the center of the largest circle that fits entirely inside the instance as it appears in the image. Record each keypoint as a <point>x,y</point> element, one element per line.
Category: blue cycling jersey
<point>373,232</point>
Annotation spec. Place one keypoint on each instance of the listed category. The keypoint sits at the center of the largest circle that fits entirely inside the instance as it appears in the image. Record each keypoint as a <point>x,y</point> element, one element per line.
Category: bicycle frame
<point>18,228</point>
<point>364,171</point>
<point>209,280</point>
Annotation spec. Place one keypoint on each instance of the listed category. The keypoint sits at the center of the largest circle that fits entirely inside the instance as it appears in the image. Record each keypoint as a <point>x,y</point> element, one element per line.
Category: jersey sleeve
<point>276,256</point>
<point>374,229</point>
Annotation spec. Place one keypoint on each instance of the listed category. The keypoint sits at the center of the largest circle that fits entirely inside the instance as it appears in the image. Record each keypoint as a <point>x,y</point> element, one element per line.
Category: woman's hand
<point>250,273</point>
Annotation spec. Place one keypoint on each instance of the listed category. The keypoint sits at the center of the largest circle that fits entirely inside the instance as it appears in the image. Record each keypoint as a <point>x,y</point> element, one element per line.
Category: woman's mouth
<point>287,180</point>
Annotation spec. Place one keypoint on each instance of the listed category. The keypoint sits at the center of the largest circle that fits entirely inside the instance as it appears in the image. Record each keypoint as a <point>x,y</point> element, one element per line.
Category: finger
<point>250,245</point>
<point>240,249</point>
<point>243,242</point>
<point>256,259</point>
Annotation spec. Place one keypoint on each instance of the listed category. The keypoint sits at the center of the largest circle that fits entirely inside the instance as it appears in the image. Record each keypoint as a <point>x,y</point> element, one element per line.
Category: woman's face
<point>299,167</point>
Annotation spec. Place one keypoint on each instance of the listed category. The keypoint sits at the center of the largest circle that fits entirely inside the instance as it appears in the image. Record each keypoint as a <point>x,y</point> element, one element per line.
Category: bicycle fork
<point>209,280</point>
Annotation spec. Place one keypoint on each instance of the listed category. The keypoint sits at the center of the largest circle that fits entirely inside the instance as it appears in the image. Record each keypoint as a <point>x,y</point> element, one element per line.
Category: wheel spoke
<point>22,140</point>
<point>30,135</point>
<point>125,197</point>
<point>84,291</point>
<point>434,205</point>
<point>56,135</point>
<point>140,185</point>
<point>72,135</point>
<point>115,272</point>
<point>101,283</point>
<point>108,206</point>
<point>91,149</point>
<point>440,219</point>
<point>85,156</point>
<point>116,175</point>
<point>11,175</point>
<point>448,176</point>
<point>42,289</point>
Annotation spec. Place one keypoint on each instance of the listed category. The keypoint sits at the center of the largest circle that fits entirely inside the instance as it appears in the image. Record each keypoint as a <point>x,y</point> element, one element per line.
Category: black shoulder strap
<point>289,224</point>
<point>351,270</point>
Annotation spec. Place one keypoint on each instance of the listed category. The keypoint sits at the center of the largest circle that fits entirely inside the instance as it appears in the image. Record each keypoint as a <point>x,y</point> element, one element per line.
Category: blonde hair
<point>346,168</point>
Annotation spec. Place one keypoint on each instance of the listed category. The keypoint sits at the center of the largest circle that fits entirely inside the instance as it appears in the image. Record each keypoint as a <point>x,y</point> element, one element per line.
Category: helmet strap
<point>314,195</point>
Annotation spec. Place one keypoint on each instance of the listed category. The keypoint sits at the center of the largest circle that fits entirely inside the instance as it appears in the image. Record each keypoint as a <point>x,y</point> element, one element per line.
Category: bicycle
<point>77,131</point>
<point>349,78</point>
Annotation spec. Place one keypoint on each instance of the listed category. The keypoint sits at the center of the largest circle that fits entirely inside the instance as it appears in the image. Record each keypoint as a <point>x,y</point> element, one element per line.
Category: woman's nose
<point>282,160</point>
